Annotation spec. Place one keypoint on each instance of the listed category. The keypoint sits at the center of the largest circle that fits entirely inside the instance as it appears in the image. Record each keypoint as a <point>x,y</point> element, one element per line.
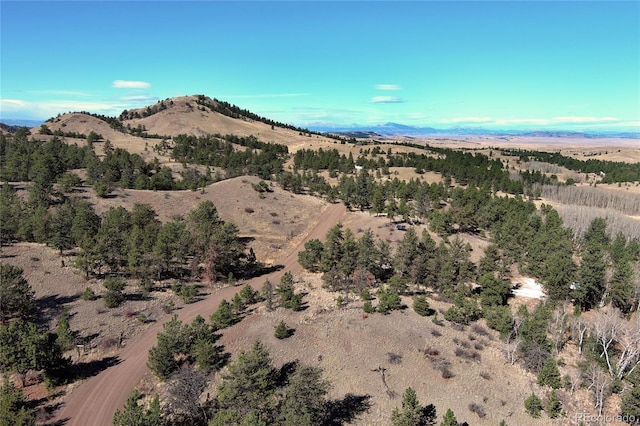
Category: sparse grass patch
<point>394,358</point>
<point>485,375</point>
<point>478,409</point>
<point>468,354</point>
<point>435,333</point>
<point>107,343</point>
<point>88,294</point>
<point>479,330</point>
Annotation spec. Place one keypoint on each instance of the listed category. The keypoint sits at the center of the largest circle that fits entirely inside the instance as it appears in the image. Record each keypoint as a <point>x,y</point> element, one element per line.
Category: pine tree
<point>13,406</point>
<point>247,388</point>
<point>533,405</point>
<point>449,419</point>
<point>421,306</point>
<point>304,397</point>
<point>282,331</point>
<point>549,374</point>
<point>134,414</point>
<point>631,403</point>
<point>16,295</point>
<point>553,406</point>
<point>412,413</point>
<point>267,294</point>
<point>223,317</point>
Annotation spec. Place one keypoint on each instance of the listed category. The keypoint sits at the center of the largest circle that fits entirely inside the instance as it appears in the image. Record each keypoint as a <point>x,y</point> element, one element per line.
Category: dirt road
<point>95,401</point>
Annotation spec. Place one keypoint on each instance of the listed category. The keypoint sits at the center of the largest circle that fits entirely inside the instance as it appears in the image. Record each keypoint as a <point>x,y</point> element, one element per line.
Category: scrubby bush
<point>533,405</point>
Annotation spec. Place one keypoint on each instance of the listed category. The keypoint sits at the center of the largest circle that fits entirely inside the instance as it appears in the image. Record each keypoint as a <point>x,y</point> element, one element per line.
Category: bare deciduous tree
<point>608,327</point>
<point>600,383</point>
<point>558,327</point>
<point>183,395</point>
<point>579,329</point>
<point>629,344</point>
<point>512,349</point>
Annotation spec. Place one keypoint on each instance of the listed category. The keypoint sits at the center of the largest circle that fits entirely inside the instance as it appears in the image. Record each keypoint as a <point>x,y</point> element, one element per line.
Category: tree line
<point>614,171</point>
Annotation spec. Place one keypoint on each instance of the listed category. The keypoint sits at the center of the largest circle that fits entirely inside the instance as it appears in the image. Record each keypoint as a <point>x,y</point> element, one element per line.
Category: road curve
<point>95,401</point>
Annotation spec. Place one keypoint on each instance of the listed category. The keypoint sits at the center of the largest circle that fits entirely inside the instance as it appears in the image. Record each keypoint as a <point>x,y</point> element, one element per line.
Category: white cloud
<point>388,87</point>
<point>127,84</point>
<point>263,96</point>
<point>386,100</point>
<point>16,108</point>
<point>583,120</point>
<point>467,120</point>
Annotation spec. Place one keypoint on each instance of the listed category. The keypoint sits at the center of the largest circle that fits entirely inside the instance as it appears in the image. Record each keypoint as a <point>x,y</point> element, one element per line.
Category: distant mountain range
<point>21,123</point>
<point>380,130</point>
<point>396,129</point>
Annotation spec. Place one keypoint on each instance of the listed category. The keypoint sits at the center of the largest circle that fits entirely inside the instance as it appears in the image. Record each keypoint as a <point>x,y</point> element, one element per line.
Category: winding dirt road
<point>95,401</point>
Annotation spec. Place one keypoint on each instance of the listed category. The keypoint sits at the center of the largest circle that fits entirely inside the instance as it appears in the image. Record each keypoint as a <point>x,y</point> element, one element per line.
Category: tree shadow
<point>263,270</point>
<point>84,370</point>
<point>283,373</point>
<point>50,307</point>
<point>347,409</point>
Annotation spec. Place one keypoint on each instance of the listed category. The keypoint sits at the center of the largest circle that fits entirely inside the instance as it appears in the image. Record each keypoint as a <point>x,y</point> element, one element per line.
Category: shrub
<point>88,294</point>
<point>533,405</point>
<point>467,354</point>
<point>478,409</point>
<point>368,308</point>
<point>248,210</point>
<point>113,299</point>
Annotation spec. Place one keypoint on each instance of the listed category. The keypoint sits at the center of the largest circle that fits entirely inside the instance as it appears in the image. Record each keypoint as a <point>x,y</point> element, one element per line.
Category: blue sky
<point>506,64</point>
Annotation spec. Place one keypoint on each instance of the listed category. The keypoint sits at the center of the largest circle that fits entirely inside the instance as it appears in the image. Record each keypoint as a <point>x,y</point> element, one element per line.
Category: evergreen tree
<point>553,406</point>
<point>421,306</point>
<point>412,413</point>
<point>134,414</point>
<point>247,389</point>
<point>621,287</point>
<point>10,213</point>
<point>223,316</point>
<point>533,405</point>
<point>249,295</point>
<point>310,257</point>
<point>267,294</point>
<point>282,331</point>
<point>64,335</point>
<point>13,406</point>
<point>549,374</point>
<point>114,296</point>
<point>631,403</point>
<point>61,237</point>
<point>593,267</point>
<point>449,419</point>
<point>304,398</point>
<point>16,295</point>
